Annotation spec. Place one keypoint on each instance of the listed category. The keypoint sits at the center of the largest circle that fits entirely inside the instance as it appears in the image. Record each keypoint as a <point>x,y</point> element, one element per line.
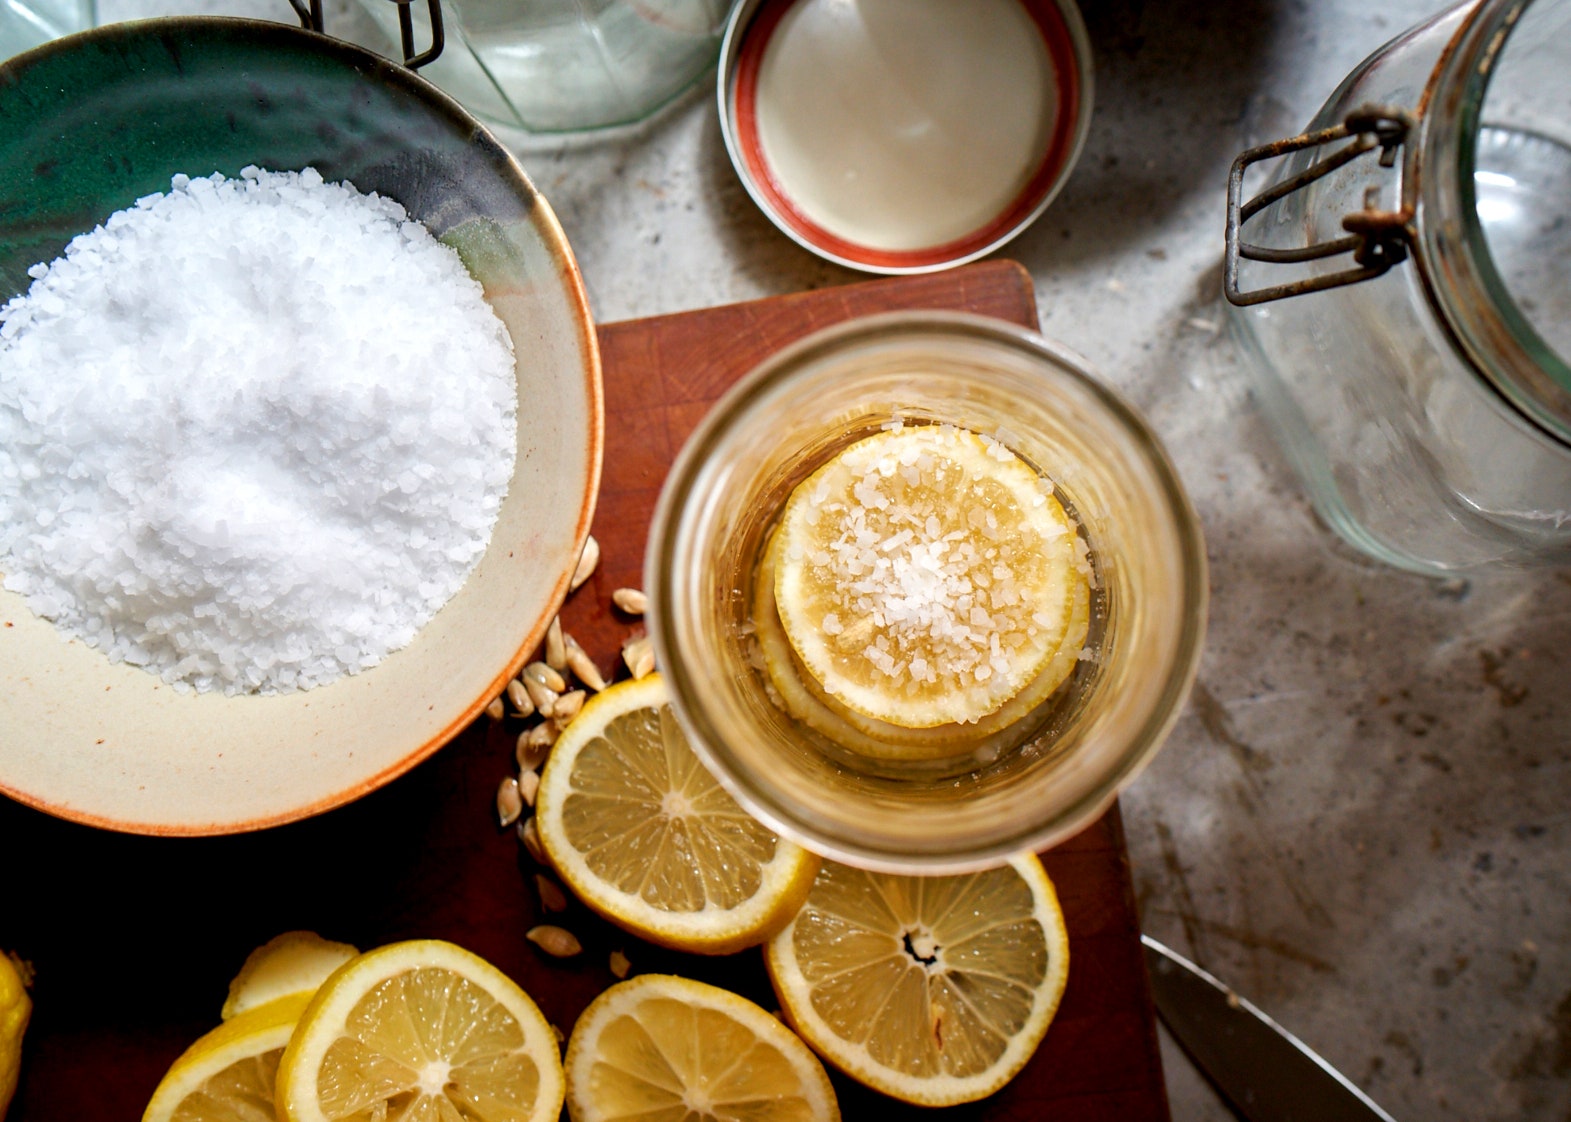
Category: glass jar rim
<point>682,505</point>
<point>1458,274</point>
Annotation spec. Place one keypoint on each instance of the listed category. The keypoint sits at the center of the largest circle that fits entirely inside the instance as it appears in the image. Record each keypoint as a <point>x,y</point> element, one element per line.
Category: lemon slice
<point>926,576</point>
<point>661,1047</point>
<point>15,1009</point>
<point>935,990</point>
<point>647,838</point>
<point>805,699</point>
<point>291,963</point>
<point>227,1075</point>
<point>420,1030</point>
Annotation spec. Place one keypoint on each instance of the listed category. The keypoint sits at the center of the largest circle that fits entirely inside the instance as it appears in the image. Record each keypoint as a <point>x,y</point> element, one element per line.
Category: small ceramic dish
<point>904,136</point>
<point>90,123</point>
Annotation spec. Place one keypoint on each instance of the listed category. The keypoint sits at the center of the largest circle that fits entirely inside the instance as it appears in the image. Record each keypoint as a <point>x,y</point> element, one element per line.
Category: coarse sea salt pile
<point>254,432</point>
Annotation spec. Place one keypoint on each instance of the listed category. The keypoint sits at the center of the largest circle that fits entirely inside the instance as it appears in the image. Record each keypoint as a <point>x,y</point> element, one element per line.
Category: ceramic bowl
<point>90,123</point>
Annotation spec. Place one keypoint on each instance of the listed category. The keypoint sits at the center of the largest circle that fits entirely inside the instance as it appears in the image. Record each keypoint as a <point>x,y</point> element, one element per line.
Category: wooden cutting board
<point>135,939</point>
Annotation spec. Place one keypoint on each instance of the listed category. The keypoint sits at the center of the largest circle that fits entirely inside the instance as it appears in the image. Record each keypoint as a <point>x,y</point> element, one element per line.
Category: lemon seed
<point>543,698</point>
<point>631,601</point>
<point>552,898</point>
<point>582,666</point>
<point>639,654</point>
<point>509,802</point>
<point>541,673</point>
<point>530,751</point>
<point>555,941</point>
<point>519,696</point>
<point>529,834</point>
<point>555,651</point>
<point>586,563</point>
<point>568,705</point>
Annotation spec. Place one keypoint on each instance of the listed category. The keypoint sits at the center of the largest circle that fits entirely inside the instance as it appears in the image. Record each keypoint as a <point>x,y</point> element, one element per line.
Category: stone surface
<point>1362,819</point>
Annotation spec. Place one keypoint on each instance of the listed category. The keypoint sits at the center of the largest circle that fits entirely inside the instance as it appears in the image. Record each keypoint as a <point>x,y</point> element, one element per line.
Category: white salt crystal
<point>266,425</point>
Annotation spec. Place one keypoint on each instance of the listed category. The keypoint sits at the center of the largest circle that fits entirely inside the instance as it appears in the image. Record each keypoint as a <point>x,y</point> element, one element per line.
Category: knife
<point>1264,1071</point>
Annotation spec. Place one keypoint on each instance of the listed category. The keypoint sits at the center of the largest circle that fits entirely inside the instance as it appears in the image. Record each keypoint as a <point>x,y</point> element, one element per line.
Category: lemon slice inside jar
<point>799,693</point>
<point>926,576</point>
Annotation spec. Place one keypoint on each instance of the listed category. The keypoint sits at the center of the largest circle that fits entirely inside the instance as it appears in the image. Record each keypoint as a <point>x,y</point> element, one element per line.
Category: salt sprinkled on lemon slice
<point>926,575</point>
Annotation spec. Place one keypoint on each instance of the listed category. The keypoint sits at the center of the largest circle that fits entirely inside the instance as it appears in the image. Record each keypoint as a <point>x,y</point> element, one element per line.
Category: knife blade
<point>1264,1071</point>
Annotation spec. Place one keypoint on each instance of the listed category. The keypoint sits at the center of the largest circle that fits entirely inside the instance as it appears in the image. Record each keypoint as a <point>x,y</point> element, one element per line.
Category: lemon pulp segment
<point>647,837</point>
<point>935,990</point>
<point>660,1047</point>
<point>926,575</point>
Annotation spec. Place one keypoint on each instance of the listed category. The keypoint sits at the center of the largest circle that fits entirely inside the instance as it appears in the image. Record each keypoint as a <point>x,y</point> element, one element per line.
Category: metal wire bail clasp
<point>311,18</point>
<point>1377,239</point>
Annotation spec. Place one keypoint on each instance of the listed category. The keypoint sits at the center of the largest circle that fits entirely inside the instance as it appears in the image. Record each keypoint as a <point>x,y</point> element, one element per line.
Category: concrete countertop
<point>1363,819</point>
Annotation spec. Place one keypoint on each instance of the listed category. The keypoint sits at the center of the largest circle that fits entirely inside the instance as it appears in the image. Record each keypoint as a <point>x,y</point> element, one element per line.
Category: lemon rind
<point>259,974</point>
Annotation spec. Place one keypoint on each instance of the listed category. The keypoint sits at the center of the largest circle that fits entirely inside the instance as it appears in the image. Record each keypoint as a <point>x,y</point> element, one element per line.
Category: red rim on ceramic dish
<point>843,121</point>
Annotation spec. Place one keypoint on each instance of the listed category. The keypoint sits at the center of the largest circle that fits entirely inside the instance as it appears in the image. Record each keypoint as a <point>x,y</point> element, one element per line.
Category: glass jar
<point>1417,370</point>
<point>789,416</point>
<point>567,65</point>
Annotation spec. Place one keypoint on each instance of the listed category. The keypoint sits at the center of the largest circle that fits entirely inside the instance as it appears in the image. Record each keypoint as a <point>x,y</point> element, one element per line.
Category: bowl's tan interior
<point>115,746</point>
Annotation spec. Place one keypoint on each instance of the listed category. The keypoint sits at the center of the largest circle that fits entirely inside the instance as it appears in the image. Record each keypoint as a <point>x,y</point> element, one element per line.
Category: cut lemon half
<point>228,1075</point>
<point>645,836</point>
<point>925,576</point>
<point>420,1030</point>
<point>665,1048</point>
<point>291,963</point>
<point>935,990</point>
<point>805,699</point>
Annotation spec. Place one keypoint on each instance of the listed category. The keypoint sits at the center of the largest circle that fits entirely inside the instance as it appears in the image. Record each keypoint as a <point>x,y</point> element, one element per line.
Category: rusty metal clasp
<point>311,18</point>
<point>1377,239</point>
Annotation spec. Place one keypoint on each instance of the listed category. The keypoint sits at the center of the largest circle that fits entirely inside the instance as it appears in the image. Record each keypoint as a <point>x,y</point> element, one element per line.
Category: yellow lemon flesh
<point>934,990</point>
<point>15,1009</point>
<point>291,963</point>
<point>420,1030</point>
<point>666,1048</point>
<point>926,576</point>
<point>646,837</point>
<point>228,1075</point>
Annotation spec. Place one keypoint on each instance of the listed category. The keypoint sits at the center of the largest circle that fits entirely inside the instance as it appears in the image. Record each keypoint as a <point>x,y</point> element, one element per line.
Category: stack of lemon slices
<point>923,593</point>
